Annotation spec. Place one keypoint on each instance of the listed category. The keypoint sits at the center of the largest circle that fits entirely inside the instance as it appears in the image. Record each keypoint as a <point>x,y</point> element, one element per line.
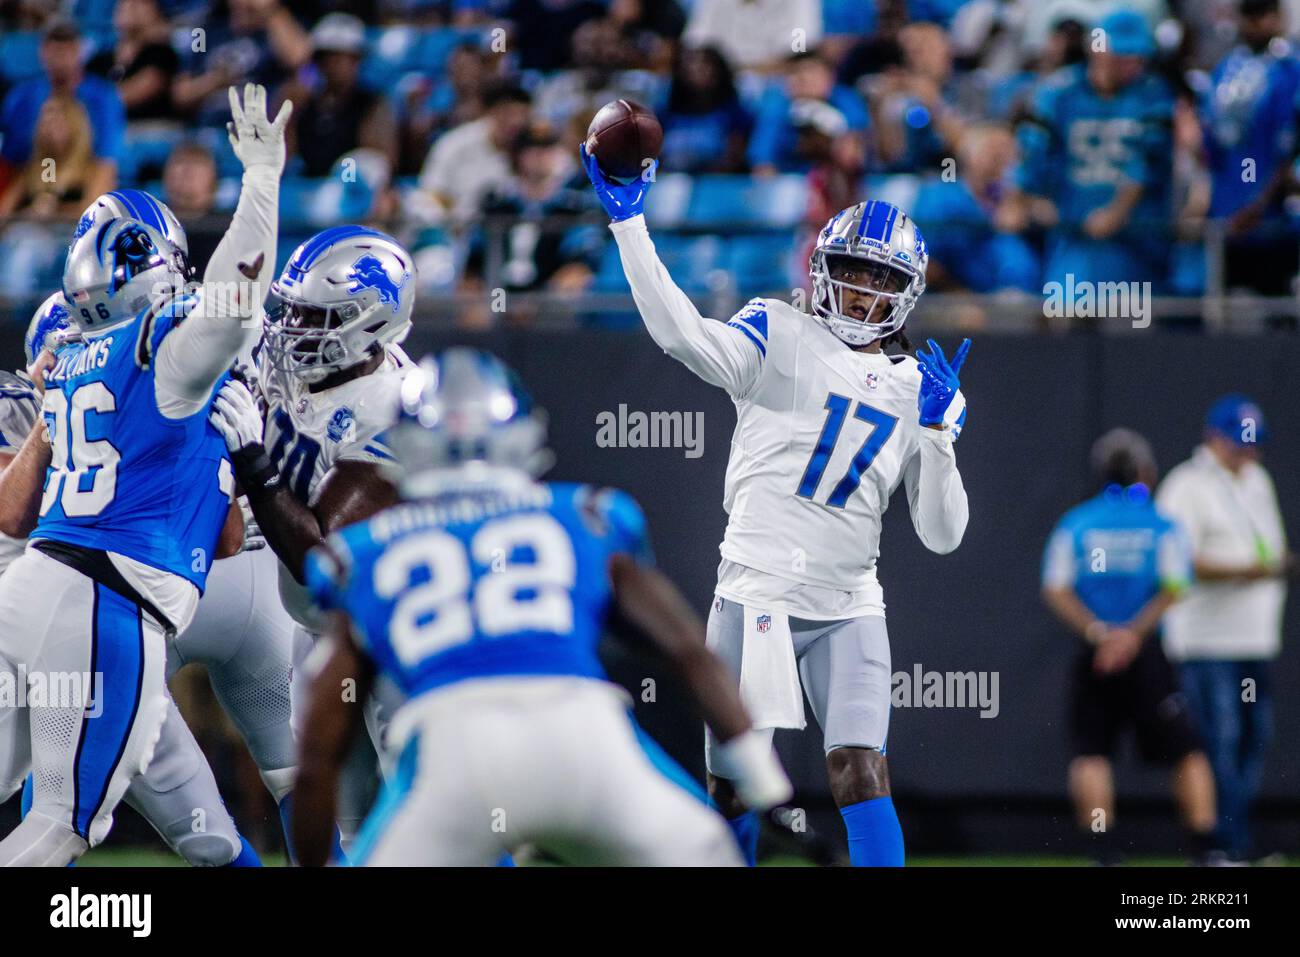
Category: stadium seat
<point>694,262</point>
<point>323,202</point>
<point>761,263</point>
<point>778,202</point>
<point>397,50</point>
<point>145,153</point>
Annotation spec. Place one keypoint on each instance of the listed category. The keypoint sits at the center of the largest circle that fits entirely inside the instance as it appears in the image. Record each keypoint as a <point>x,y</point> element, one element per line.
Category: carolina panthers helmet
<point>883,235</point>
<point>464,410</point>
<point>126,247</point>
<point>51,323</point>
<point>343,292</point>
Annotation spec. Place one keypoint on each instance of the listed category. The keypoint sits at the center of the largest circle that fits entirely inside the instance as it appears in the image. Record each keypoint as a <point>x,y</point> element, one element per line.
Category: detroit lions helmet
<point>889,242</point>
<point>344,292</point>
<point>50,326</point>
<point>464,413</point>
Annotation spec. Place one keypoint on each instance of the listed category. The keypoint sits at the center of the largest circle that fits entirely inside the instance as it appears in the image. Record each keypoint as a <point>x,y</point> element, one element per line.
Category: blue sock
<point>25,802</point>
<point>875,838</point>
<point>745,830</point>
<point>247,856</point>
<point>506,860</point>
<point>286,817</point>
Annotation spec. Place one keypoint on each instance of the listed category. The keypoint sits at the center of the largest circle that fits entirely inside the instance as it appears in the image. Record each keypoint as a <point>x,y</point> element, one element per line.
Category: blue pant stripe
<point>117,654</point>
<point>390,803</point>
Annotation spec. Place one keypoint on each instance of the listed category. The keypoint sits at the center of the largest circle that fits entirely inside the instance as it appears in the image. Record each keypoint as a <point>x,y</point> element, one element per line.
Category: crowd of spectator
<point>1031,140</point>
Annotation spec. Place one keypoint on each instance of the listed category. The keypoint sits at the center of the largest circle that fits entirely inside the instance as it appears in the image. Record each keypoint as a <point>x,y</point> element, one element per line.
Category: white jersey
<point>20,404</point>
<point>824,435</point>
<point>307,433</point>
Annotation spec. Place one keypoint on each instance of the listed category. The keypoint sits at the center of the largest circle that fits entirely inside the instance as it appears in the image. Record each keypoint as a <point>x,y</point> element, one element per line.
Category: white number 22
<point>450,607</point>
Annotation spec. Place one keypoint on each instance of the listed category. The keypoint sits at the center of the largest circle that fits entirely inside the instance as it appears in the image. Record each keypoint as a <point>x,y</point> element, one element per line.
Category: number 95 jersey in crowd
<point>509,580</point>
<point>123,477</point>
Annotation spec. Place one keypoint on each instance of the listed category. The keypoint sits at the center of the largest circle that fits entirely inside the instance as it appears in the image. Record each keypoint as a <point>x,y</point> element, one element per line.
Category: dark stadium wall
<point>1036,404</point>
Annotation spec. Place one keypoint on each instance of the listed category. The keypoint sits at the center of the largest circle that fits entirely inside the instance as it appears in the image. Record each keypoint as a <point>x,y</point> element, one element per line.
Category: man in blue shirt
<point>1097,161</point>
<point>65,76</point>
<point>1249,118</point>
<point>1112,567</point>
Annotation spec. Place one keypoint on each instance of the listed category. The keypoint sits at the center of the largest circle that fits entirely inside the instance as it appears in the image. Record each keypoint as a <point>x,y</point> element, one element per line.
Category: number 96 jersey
<point>123,477</point>
<point>511,580</point>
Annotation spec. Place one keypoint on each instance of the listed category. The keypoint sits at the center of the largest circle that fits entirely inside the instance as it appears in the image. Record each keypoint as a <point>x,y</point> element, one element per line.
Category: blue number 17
<point>837,408</point>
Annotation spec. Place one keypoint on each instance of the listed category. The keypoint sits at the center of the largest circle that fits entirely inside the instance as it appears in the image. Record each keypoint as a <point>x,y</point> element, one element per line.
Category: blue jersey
<point>488,584</point>
<point>1080,146</point>
<point>1249,117</point>
<point>1117,553</point>
<point>123,477</point>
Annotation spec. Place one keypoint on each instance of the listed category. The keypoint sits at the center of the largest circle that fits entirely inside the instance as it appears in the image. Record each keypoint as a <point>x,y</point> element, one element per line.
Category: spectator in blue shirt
<point>1250,124</point>
<point>65,76</point>
<point>705,127</point>
<point>808,77</point>
<point>1113,566</point>
<point>1097,162</point>
<point>971,248</point>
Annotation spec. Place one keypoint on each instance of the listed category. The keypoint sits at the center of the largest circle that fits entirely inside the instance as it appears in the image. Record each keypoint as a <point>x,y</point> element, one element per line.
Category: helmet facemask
<point>889,291</point>
<point>310,342</point>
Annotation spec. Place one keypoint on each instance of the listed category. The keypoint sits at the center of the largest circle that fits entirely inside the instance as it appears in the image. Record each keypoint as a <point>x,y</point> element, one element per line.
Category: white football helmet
<point>128,248</point>
<point>344,292</point>
<point>880,234</point>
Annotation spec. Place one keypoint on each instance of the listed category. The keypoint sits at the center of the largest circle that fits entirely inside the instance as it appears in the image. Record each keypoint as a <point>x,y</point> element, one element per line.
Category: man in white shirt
<point>466,163</point>
<point>1229,627</point>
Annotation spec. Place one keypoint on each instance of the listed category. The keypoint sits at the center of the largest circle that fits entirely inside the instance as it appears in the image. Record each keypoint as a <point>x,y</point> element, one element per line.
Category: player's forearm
<point>333,719</point>
<point>21,484</point>
<point>707,348</point>
<point>1072,613</point>
<point>228,316</point>
<point>290,528</point>
<point>940,511</point>
<point>1147,620</point>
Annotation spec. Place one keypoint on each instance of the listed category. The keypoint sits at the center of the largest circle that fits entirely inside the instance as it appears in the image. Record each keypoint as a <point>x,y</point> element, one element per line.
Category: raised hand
<point>257,141</point>
<point>939,381</point>
<point>620,202</point>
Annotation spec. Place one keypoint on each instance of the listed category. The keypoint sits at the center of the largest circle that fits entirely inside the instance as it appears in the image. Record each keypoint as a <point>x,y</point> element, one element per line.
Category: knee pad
<point>206,849</point>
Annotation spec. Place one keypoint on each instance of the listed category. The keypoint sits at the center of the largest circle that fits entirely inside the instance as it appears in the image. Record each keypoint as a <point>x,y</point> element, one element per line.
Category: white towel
<point>769,676</point>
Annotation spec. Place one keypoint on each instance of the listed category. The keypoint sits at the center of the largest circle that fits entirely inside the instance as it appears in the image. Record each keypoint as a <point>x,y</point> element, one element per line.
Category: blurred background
<point>1014,132</point>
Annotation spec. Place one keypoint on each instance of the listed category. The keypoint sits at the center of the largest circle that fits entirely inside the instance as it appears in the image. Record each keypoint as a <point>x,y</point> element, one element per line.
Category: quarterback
<point>827,427</point>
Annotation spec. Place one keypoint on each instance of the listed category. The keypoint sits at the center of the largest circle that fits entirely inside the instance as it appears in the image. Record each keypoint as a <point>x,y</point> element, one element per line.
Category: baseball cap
<point>1127,33</point>
<point>1238,419</point>
<point>338,33</point>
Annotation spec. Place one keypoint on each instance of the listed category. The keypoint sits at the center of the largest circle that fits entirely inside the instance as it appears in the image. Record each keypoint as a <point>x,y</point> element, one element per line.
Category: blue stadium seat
<point>397,50</point>
<point>690,260</point>
<point>760,263</point>
<point>778,202</point>
<point>317,203</point>
<point>19,56</point>
<point>145,153</point>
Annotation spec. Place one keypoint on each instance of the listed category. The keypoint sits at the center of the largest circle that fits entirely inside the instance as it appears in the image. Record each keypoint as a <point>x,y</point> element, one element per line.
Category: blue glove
<point>939,383</point>
<point>620,202</point>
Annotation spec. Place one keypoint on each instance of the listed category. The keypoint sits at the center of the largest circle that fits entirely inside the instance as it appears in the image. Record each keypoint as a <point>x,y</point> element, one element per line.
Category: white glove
<point>750,764</point>
<point>234,414</point>
<point>256,140</point>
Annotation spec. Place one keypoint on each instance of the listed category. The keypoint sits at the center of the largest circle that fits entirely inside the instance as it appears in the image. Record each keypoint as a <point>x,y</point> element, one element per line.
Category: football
<point>625,137</point>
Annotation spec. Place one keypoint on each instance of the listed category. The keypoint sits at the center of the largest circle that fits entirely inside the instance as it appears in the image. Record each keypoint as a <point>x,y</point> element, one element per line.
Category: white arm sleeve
<point>227,318</point>
<point>718,353</point>
<point>935,494</point>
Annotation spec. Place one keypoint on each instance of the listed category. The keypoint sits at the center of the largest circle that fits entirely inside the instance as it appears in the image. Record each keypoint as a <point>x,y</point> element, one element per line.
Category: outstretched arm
<point>349,492</point>
<point>720,354</point>
<point>648,602</point>
<point>227,317</point>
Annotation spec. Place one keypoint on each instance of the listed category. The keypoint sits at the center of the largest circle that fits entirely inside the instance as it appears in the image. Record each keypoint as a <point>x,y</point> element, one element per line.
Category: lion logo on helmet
<point>369,273</point>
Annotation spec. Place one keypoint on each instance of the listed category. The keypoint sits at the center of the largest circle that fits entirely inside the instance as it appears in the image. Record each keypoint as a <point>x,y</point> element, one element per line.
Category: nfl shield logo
<point>764,624</point>
<point>873,380</point>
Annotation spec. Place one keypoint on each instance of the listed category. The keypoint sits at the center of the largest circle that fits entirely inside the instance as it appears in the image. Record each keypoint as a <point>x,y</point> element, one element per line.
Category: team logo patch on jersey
<point>368,273</point>
<point>340,424</point>
<point>764,624</point>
